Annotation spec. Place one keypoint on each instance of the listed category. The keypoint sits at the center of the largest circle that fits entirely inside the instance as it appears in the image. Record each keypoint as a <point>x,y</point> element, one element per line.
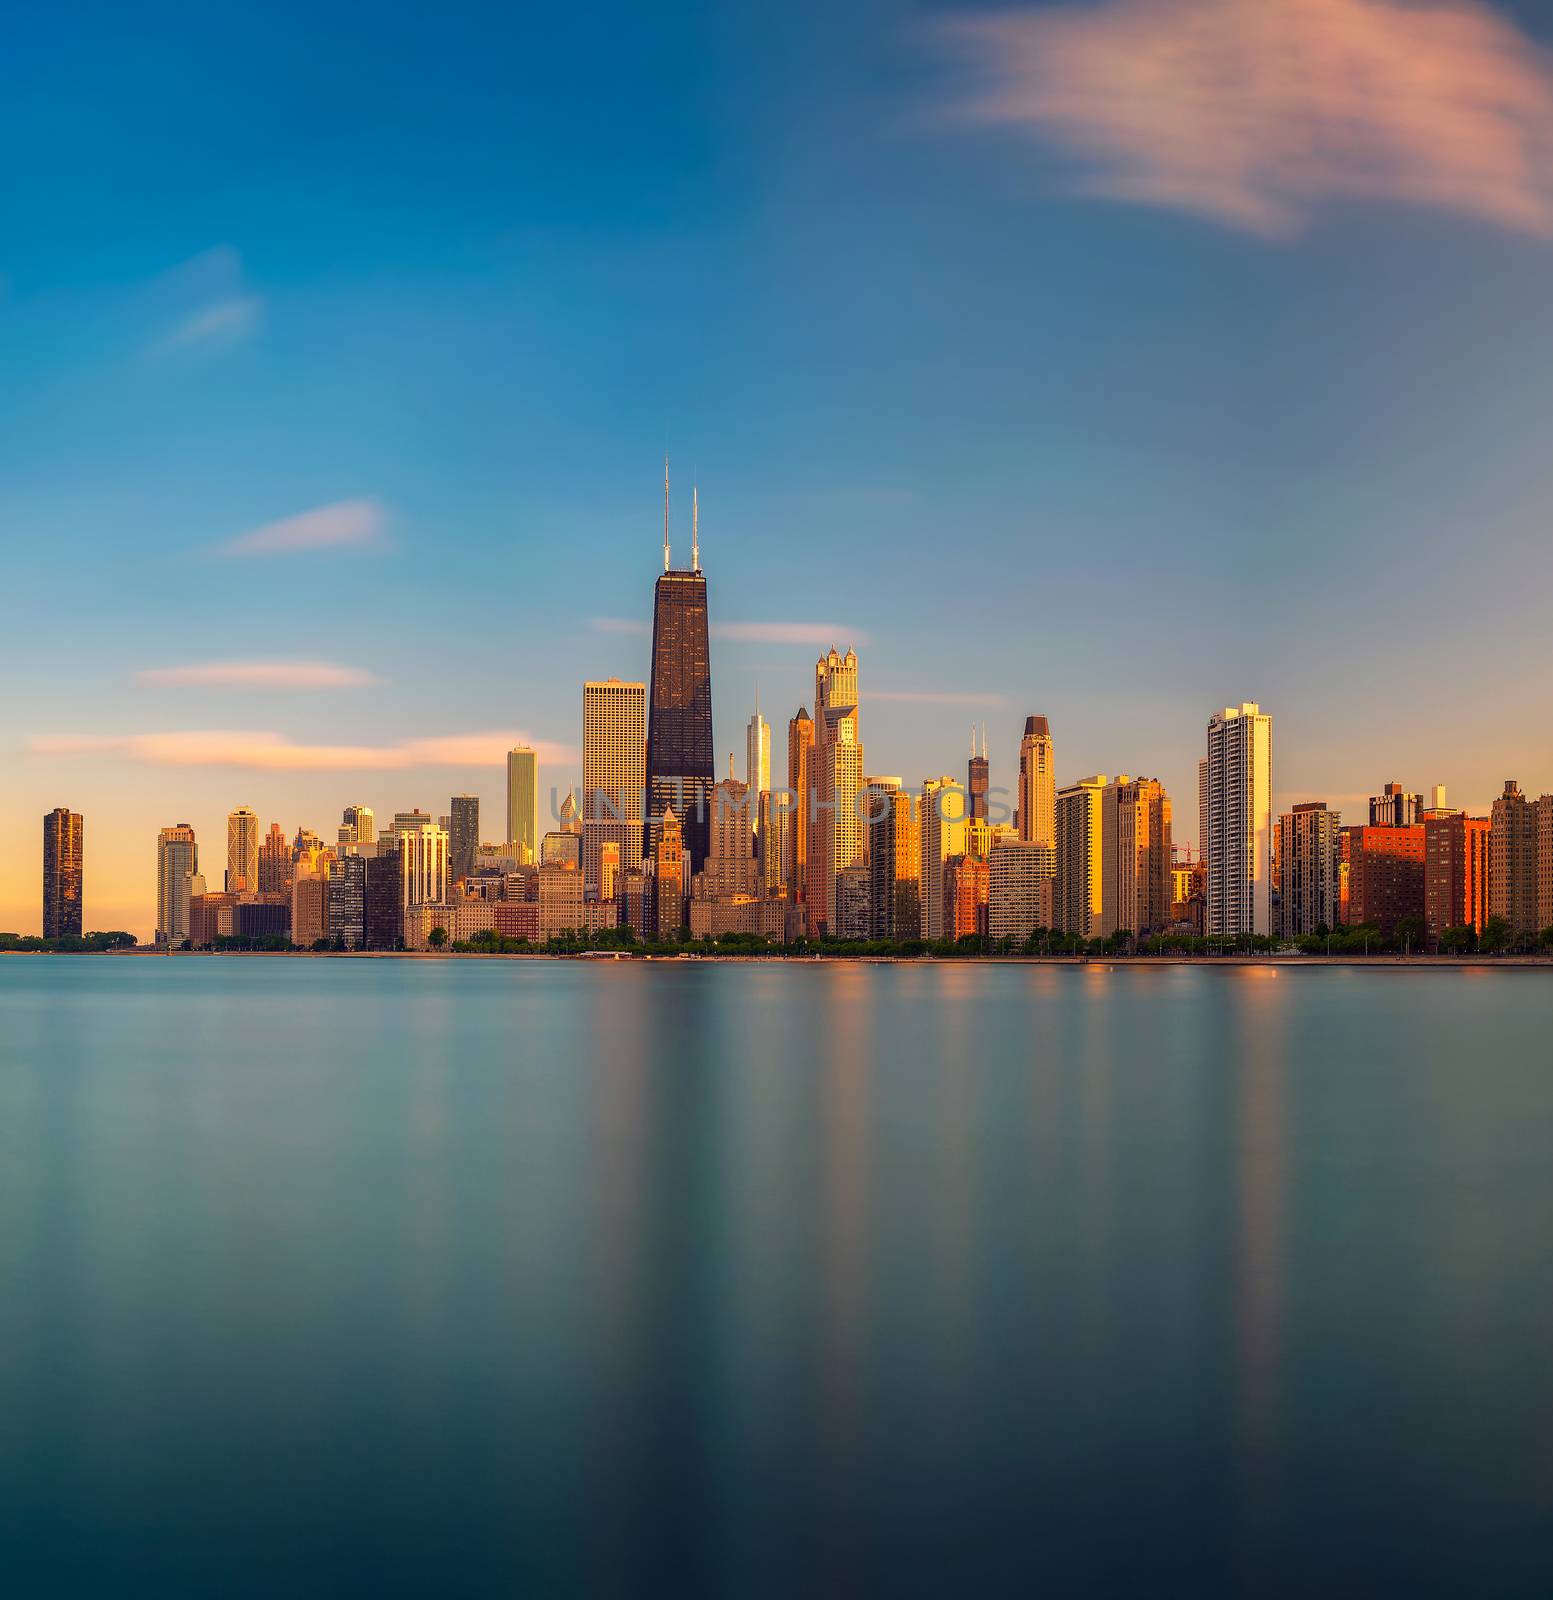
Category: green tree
<point>437,938</point>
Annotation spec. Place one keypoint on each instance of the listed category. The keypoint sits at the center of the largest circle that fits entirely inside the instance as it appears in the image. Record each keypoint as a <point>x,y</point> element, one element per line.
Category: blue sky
<point>1044,404</point>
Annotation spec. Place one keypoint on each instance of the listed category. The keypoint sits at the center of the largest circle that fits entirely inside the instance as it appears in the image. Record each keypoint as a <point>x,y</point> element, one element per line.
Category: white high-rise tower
<point>1237,795</point>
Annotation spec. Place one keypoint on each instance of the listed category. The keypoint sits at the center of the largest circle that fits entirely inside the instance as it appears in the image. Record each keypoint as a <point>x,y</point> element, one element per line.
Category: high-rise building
<point>679,712</point>
<point>730,867</point>
<point>347,915</point>
<point>757,754</point>
<point>275,862</point>
<point>1079,895</point>
<point>1237,788</point>
<point>1135,858</point>
<point>463,835</point>
<point>310,905</point>
<point>1455,871</point>
<point>941,836</point>
<point>1036,802</point>
<point>967,887</point>
<point>1385,877</point>
<point>774,842</point>
<point>1394,807</point>
<point>978,778</point>
<point>242,851</point>
<point>358,826</point>
<point>1309,855</point>
<point>1542,811</point>
<point>668,863</point>
<point>63,873</point>
<point>836,764</point>
<point>1512,863</point>
<point>614,772</point>
<point>423,863</point>
<point>384,903</point>
<point>1021,874</point>
<point>523,802</point>
<point>894,861</point>
<point>800,781</point>
<point>177,866</point>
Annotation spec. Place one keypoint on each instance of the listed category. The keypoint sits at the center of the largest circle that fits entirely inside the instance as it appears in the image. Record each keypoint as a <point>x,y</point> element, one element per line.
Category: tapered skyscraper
<point>1037,798</point>
<point>679,713</point>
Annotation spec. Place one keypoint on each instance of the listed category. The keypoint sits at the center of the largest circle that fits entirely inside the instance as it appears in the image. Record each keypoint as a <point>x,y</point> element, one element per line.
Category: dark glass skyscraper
<point>62,874</point>
<point>679,709</point>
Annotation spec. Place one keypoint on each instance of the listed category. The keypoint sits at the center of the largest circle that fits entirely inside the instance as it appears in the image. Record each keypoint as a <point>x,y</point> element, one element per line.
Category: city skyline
<point>945,359</point>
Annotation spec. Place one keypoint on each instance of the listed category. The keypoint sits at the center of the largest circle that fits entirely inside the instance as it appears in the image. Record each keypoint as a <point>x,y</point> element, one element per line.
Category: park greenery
<point>72,944</point>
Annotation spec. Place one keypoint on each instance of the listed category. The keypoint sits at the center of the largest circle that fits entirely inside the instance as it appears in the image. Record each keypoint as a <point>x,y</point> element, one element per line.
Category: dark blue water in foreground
<point>485,1278</point>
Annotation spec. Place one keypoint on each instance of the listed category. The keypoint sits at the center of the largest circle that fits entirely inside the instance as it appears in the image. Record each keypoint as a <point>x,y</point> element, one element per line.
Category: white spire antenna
<point>695,530</point>
<point>665,513</point>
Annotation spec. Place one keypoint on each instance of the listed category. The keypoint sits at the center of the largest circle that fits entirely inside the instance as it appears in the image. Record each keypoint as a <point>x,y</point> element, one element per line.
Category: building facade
<point>800,779</point>
<point>1036,802</point>
<point>463,836</point>
<point>1135,857</point>
<point>1309,858</point>
<point>1237,803</point>
<point>64,873</point>
<point>941,836</point>
<point>679,712</point>
<point>523,802</point>
<point>242,851</point>
<point>1455,872</point>
<point>1079,896</point>
<point>1512,867</point>
<point>1021,875</point>
<point>177,866</point>
<point>1386,877</point>
<point>614,773</point>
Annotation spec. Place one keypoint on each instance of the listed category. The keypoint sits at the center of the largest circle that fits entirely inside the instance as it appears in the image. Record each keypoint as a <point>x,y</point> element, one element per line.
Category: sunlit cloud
<point>257,675</point>
<point>222,322</point>
<point>618,624</point>
<point>273,752</point>
<point>1253,113</point>
<point>210,305</point>
<point>935,697</point>
<point>344,524</point>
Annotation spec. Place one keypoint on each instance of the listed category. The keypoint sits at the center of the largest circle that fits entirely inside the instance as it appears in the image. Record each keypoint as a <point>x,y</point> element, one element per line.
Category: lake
<point>463,1277</point>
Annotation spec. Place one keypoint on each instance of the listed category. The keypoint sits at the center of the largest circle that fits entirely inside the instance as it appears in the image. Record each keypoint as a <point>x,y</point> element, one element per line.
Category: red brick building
<point>1385,876</point>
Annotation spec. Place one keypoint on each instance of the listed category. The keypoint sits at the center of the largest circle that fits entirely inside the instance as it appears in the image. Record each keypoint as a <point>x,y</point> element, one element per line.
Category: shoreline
<point>596,957</point>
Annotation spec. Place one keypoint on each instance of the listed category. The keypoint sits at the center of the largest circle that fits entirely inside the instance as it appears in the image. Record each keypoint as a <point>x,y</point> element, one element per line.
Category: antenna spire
<point>665,513</point>
<point>695,531</point>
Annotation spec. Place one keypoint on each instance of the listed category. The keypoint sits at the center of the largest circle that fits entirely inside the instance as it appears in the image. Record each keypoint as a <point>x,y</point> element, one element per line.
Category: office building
<point>731,868</point>
<point>679,711</point>
<point>242,852</point>
<point>1237,808</point>
<point>836,764</point>
<point>757,754</point>
<point>894,860</point>
<point>1036,802</point>
<point>774,842</point>
<point>614,773</point>
<point>669,866</point>
<point>1512,863</point>
<point>347,913</point>
<point>940,836</point>
<point>800,748</point>
<point>463,835</point>
<point>63,873</point>
<point>523,802</point>
<point>358,826</point>
<point>978,778</point>
<point>177,866</point>
<point>967,886</point>
<point>274,862</point>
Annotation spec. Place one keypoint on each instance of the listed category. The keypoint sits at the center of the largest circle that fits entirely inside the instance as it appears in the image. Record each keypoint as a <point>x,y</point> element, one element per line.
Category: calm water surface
<point>484,1278</point>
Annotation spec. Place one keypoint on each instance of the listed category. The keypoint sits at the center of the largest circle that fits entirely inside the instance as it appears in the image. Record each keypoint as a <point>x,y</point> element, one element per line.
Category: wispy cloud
<point>618,624</point>
<point>209,305</point>
<point>934,697</point>
<point>1255,112</point>
<point>347,522</point>
<point>263,750</point>
<point>221,322</point>
<point>256,675</point>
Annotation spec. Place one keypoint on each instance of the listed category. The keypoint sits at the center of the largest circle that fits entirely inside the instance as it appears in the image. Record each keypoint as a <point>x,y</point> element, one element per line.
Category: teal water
<point>350,1277</point>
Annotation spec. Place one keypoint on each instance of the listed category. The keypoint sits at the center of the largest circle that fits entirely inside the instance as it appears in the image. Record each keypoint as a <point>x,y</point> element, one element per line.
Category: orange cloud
<point>1253,113</point>
<point>257,675</point>
<point>267,751</point>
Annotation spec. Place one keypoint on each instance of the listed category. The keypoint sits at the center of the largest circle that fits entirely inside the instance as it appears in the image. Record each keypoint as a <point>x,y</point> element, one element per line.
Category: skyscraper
<point>978,776</point>
<point>63,873</point>
<point>347,918</point>
<point>1455,870</point>
<point>242,851</point>
<point>679,713</point>
<point>463,835</point>
<point>1512,863</point>
<point>1037,798</point>
<point>523,803</point>
<point>894,861</point>
<point>757,754</point>
<point>1079,896</point>
<point>361,825</point>
<point>940,836</point>
<point>177,865</point>
<point>668,847</point>
<point>1237,787</point>
<point>800,780</point>
<point>614,772</point>
<point>274,862</point>
<point>1135,857</point>
<point>835,822</point>
<point>1394,807</point>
